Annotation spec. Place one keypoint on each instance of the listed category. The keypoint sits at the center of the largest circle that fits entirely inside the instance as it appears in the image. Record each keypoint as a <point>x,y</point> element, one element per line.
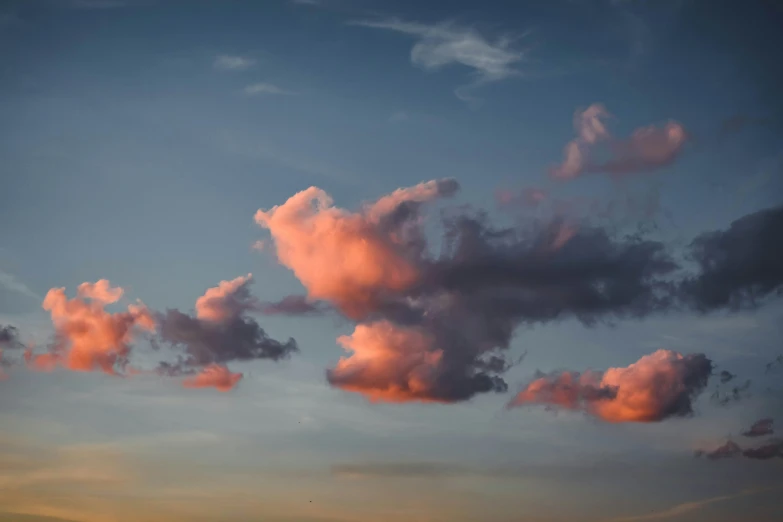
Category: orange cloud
<point>214,376</point>
<point>349,258</point>
<point>657,386</point>
<point>388,363</point>
<point>88,337</point>
<point>219,303</point>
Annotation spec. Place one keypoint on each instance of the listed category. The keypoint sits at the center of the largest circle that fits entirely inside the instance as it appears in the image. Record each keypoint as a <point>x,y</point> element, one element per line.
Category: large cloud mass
<point>434,327</point>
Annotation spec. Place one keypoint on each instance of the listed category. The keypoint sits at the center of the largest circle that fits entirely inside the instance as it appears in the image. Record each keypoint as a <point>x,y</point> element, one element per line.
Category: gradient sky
<point>140,137</point>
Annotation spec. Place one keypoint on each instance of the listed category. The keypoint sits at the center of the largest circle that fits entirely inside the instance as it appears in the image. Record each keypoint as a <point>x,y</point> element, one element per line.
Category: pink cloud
<point>349,258</point>
<point>214,376</point>
<point>221,302</point>
<point>388,363</point>
<point>657,386</point>
<point>89,337</point>
<point>648,148</point>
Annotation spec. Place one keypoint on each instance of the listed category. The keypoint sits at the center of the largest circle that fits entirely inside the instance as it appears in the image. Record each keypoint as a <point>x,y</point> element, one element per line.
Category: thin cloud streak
<point>227,62</point>
<point>688,507</point>
<point>265,88</point>
<point>446,43</point>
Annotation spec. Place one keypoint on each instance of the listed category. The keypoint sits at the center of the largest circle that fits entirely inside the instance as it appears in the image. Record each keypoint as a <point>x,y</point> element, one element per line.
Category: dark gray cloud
<point>221,331</point>
<point>292,305</point>
<point>728,450</point>
<point>9,342</point>
<point>760,428</point>
<point>739,266</point>
<point>771,450</point>
<point>725,395</point>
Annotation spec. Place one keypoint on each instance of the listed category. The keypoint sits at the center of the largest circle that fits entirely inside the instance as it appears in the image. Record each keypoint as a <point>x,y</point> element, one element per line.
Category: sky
<point>364,260</point>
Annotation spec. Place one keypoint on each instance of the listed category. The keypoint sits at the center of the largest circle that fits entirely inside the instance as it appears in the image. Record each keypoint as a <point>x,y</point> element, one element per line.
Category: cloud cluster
<point>647,148</point>
<point>90,338</point>
<point>657,386</point>
<point>435,326</point>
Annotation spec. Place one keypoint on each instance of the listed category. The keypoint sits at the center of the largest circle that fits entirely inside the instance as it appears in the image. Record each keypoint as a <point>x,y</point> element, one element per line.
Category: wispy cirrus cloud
<point>227,62</point>
<point>10,282</point>
<point>442,44</point>
<point>688,507</point>
<point>265,88</point>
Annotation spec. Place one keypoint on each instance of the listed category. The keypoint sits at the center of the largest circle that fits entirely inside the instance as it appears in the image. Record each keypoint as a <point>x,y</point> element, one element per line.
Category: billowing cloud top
<point>657,386</point>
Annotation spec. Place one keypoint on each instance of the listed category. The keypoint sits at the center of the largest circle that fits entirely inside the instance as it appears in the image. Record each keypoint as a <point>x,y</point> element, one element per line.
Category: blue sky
<point>139,138</point>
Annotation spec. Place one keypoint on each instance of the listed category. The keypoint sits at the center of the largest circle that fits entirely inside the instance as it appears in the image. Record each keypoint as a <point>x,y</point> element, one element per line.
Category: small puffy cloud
<point>648,148</point>
<point>214,376</point>
<point>388,363</point>
<point>87,336</point>
<point>265,88</point>
<point>221,331</point>
<point>656,387</point>
<point>227,62</point>
<point>760,428</point>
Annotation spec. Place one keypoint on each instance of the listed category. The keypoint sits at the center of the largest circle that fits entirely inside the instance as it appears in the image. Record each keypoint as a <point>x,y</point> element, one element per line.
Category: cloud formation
<point>89,338</point>
<point>657,386</point>
<point>443,44</point>
<point>760,428</point>
<point>435,327</point>
<point>648,148</point>
<point>221,332</point>
<point>737,267</point>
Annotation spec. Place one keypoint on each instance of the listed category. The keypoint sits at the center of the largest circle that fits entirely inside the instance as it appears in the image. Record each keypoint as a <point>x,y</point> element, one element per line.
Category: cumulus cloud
<point>656,387</point>
<point>739,266</point>
<point>227,62</point>
<point>443,44</point>
<point>214,376</point>
<point>368,252</point>
<point>88,337</point>
<point>760,428</point>
<point>435,327</point>
<point>648,148</point>
<point>221,331</point>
